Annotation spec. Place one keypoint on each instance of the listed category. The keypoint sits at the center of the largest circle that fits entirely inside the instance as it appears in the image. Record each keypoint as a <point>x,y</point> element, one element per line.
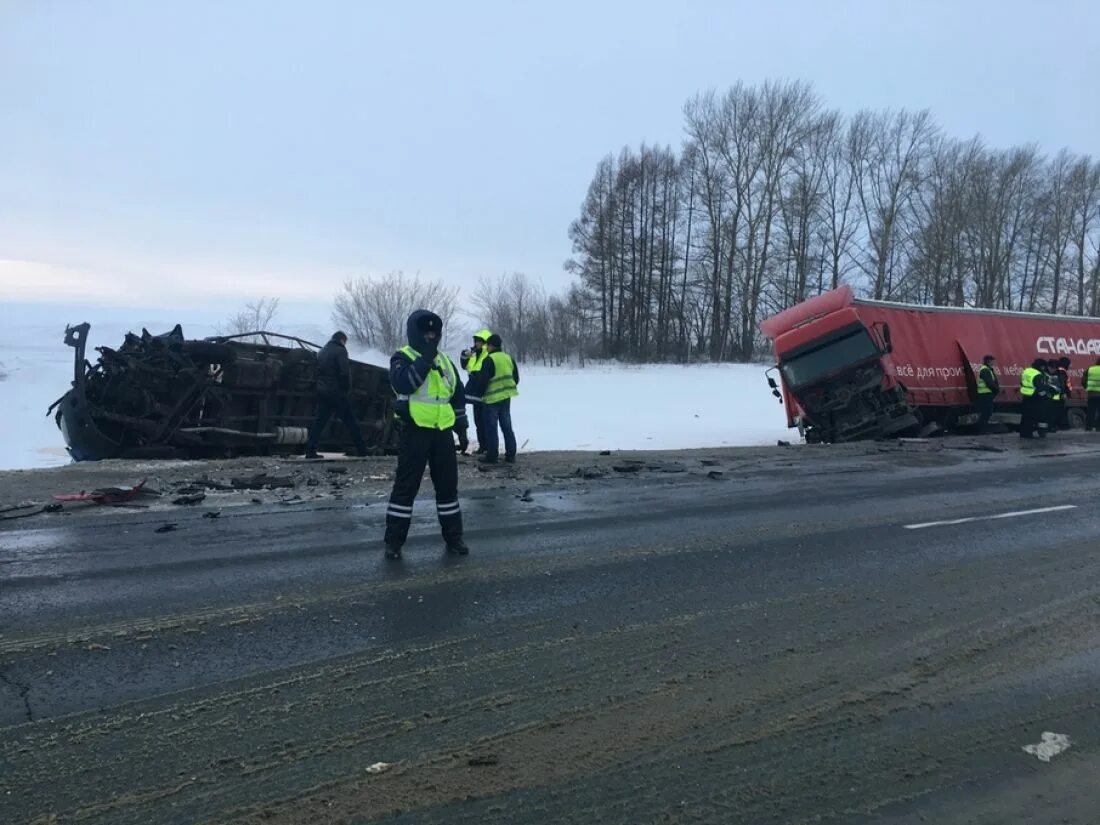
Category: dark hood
<point>422,318</point>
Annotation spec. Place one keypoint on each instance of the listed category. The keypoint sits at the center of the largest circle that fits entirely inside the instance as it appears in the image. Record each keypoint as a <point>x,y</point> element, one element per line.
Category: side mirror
<point>777,395</point>
<point>772,384</point>
<point>886,338</point>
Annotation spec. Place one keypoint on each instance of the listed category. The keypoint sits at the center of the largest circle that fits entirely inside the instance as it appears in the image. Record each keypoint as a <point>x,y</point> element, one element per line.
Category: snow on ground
<point>599,407</point>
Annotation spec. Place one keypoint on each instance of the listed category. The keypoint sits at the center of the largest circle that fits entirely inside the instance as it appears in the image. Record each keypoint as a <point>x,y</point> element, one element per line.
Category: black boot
<point>393,551</point>
<point>457,547</point>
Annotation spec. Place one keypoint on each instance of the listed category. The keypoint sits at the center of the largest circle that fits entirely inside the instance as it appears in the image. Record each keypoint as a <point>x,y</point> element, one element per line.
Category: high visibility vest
<point>503,384</point>
<point>1092,378</point>
<point>1027,381</point>
<point>430,406</point>
<point>477,357</point>
<point>983,386</point>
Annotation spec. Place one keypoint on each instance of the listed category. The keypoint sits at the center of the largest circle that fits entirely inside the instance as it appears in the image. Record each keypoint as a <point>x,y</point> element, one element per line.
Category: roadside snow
<point>595,408</point>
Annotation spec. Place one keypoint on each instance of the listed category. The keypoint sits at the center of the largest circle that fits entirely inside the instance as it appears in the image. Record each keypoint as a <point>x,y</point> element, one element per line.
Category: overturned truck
<point>163,396</point>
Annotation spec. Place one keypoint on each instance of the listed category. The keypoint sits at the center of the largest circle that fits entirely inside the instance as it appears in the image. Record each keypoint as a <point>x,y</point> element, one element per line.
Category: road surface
<point>878,639</point>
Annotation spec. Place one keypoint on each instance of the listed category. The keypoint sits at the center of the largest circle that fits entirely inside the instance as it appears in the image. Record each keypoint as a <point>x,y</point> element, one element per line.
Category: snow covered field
<point>596,408</point>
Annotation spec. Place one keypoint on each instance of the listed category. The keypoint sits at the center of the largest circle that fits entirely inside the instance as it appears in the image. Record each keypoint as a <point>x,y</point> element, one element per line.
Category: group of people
<point>429,411</point>
<point>1045,388</point>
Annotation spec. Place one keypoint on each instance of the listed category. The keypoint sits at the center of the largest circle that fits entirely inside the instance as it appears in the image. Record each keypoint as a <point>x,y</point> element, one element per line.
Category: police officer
<point>1062,368</point>
<point>471,361</point>
<point>1055,393</point>
<point>988,388</point>
<point>430,404</point>
<point>1029,400</point>
<point>1092,390</point>
<point>495,385</point>
<point>333,386</point>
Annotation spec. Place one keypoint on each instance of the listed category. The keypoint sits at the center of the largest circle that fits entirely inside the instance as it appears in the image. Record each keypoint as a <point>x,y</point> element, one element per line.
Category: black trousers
<point>1029,416</point>
<point>435,449</point>
<point>479,423</point>
<point>985,410</point>
<point>339,405</point>
<point>1092,413</point>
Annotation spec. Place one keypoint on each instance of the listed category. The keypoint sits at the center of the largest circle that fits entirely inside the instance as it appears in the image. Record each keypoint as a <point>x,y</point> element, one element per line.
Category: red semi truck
<point>852,368</point>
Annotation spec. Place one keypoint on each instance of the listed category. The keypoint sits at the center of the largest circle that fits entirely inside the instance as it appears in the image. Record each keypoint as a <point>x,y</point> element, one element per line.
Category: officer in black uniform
<point>430,405</point>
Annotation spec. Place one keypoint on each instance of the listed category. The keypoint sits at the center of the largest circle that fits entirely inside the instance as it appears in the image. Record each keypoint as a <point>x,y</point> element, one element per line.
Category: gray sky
<point>190,153</point>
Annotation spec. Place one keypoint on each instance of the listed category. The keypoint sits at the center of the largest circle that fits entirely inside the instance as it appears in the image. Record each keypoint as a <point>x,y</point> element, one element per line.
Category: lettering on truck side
<point>1049,345</point>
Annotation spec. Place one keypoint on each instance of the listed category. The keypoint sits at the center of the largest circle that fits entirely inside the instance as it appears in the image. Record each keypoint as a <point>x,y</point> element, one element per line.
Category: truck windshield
<point>829,358</point>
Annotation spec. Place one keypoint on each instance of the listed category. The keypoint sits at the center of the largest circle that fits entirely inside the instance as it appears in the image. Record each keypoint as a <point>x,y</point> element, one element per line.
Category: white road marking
<point>1013,514</point>
<point>1052,745</point>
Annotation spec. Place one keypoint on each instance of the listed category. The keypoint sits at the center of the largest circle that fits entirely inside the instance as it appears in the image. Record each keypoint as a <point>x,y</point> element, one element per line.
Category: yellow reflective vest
<point>1092,378</point>
<point>430,406</point>
<point>983,385</point>
<point>503,383</point>
<point>1027,381</point>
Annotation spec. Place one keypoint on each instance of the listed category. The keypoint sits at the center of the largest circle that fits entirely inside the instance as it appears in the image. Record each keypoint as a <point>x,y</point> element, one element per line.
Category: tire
<point>206,352</point>
<point>1076,418</point>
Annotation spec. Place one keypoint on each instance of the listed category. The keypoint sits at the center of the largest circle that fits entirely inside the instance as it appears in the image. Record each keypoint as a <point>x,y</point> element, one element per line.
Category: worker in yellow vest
<point>988,388</point>
<point>1092,390</point>
<point>471,360</point>
<point>495,385</point>
<point>1031,381</point>
<point>430,405</point>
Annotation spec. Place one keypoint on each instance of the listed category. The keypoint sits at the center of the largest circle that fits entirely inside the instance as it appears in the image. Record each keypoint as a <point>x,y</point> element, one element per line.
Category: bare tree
<point>255,317</point>
<point>373,310</point>
<point>514,307</point>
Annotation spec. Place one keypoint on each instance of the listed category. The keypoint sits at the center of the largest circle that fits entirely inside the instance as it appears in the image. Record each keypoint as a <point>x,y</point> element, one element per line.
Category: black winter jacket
<point>333,369</point>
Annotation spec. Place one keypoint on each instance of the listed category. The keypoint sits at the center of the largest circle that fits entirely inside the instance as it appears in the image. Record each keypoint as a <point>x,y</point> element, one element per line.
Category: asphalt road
<point>876,641</point>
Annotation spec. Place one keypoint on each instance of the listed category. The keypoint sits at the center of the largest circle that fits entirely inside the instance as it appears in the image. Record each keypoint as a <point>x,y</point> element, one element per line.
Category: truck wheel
<point>1076,418</point>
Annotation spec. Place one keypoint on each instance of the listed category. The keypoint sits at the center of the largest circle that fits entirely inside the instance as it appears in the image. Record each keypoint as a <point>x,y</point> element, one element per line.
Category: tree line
<point>774,198</point>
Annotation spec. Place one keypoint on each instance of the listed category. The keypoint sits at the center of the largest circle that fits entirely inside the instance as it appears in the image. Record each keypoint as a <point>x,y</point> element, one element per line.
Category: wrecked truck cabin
<point>163,396</point>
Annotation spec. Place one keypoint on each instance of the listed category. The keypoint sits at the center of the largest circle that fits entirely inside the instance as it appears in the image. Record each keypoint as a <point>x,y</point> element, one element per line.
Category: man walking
<point>988,388</point>
<point>333,386</point>
<point>1092,390</point>
<point>471,361</point>
<point>495,385</point>
<point>430,404</point>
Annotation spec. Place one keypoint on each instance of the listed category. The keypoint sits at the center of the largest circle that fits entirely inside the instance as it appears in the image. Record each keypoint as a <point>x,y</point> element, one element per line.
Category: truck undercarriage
<point>163,396</point>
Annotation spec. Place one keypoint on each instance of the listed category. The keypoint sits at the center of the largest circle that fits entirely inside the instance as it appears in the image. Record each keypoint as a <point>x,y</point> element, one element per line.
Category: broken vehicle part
<point>163,396</point>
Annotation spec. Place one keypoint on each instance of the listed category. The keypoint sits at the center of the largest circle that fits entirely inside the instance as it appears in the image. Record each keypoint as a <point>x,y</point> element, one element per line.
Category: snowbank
<point>595,408</point>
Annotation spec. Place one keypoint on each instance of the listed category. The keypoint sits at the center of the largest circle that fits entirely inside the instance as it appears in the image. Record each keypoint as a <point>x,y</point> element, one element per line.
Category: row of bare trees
<point>774,198</point>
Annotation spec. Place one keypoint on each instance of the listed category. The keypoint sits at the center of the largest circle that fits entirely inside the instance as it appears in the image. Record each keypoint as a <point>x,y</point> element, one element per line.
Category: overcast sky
<point>190,153</point>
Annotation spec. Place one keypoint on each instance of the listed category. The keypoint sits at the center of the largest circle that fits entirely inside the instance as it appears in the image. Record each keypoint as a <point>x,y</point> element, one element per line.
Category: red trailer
<point>853,368</point>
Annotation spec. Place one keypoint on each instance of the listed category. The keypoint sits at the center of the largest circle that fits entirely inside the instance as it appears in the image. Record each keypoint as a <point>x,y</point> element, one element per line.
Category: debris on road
<point>1050,746</point>
<point>193,498</point>
<point>379,767</point>
<point>166,528</point>
<point>483,761</point>
<point>212,514</point>
<point>262,481</point>
<point>55,507</point>
<point>109,495</point>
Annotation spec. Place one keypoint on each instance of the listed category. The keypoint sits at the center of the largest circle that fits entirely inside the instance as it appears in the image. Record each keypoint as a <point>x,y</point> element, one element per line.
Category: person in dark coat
<point>1067,387</point>
<point>431,404</point>
<point>333,387</point>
